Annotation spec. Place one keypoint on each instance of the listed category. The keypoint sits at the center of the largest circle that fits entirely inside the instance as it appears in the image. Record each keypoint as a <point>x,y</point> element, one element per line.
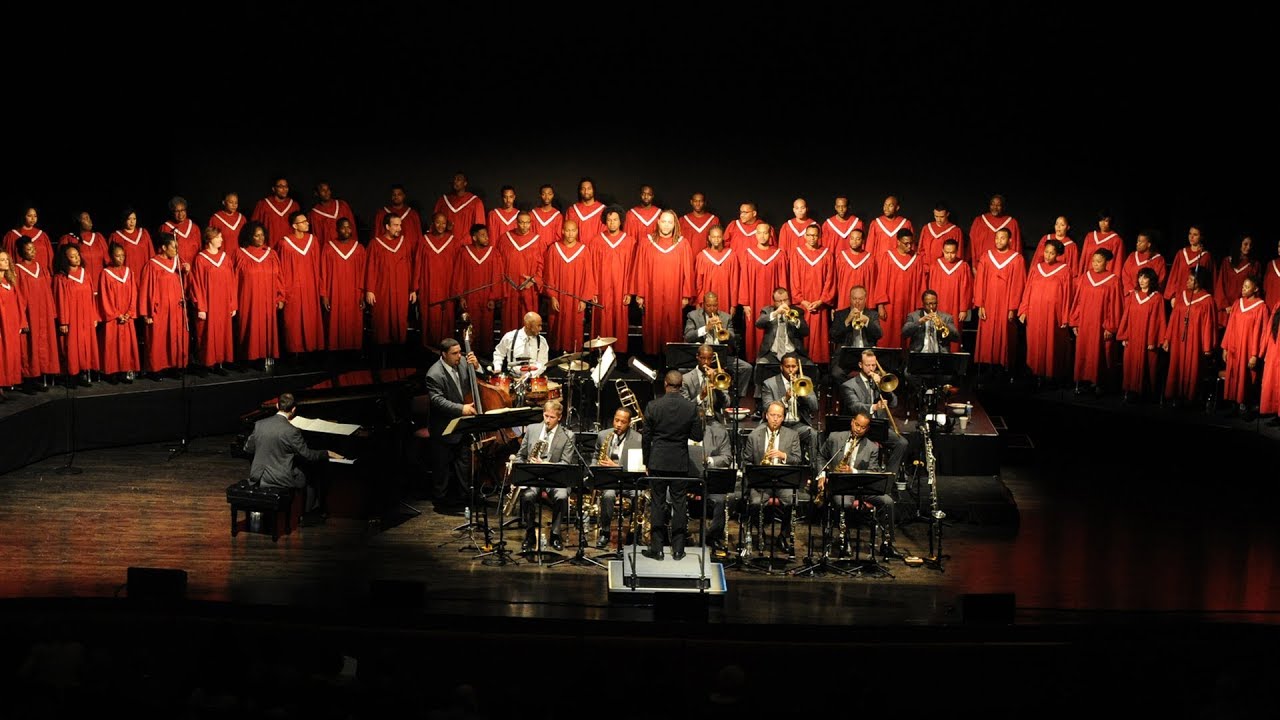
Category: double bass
<point>484,396</point>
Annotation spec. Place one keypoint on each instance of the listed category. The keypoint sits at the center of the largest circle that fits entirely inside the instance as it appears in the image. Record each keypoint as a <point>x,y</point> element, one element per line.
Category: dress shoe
<point>889,552</point>
<point>603,542</point>
<point>556,542</point>
<point>677,553</point>
<point>530,542</point>
<point>652,554</point>
<point>718,547</point>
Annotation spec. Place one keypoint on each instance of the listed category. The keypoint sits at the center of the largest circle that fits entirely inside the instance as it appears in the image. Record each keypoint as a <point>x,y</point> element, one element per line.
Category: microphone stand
<point>70,468</point>
<point>181,447</point>
<point>580,557</point>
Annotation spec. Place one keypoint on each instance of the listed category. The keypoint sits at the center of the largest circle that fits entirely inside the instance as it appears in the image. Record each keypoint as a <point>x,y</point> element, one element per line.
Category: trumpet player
<point>858,452</point>
<point>785,328</point>
<point>865,393</point>
<point>547,442</point>
<point>854,327</point>
<point>800,400</point>
<point>698,385</point>
<point>709,324</point>
<point>929,329</point>
<point>773,443</point>
<point>611,451</point>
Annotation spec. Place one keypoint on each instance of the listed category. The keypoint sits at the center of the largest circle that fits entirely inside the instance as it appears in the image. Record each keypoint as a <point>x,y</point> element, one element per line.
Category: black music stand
<point>862,483</point>
<point>716,481</point>
<point>773,478</point>
<point>608,477</point>
<point>545,475</point>
<point>937,365</point>
<point>580,557</point>
<point>682,355</point>
<point>473,426</point>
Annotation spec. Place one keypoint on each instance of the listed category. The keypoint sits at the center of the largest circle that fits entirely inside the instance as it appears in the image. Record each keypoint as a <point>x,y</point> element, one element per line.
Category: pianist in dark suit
<point>278,448</point>
<point>447,382</point>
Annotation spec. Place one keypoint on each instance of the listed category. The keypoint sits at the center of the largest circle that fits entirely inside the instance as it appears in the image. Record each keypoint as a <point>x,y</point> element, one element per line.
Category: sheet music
<point>606,364</point>
<point>323,426</point>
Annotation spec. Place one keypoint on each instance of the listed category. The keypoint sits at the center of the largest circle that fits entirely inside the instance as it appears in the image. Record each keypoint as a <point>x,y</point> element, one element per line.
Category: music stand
<point>862,484</point>
<point>773,478</point>
<point>937,364</point>
<point>877,431</point>
<point>545,475</point>
<point>609,477</point>
<point>716,481</point>
<point>682,355</point>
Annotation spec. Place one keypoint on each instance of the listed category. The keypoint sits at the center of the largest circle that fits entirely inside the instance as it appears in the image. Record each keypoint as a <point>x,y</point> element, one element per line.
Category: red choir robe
<point>474,268</point>
<point>410,224</point>
<point>500,222</point>
<point>259,289</point>
<point>324,219</point>
<point>1248,323</point>
<point>1180,268</point>
<point>1227,283</point>
<point>1046,303</point>
<point>1271,282</point>
<point>853,269</point>
<point>931,238</point>
<point>1070,255</point>
<point>302,319</point>
<point>1269,402</point>
<point>954,285</point>
<point>569,272</point>
<point>882,235</point>
<point>982,234</point>
<point>44,246</point>
<point>663,275</point>
<point>1141,329</point>
<point>900,281</point>
<point>138,249</point>
<point>462,211</point>
<point>813,279</point>
<point>213,291</point>
<point>614,260</point>
<point>760,272</point>
<point>695,229</point>
<point>93,252</point>
<point>835,234</point>
<point>433,270</point>
<point>274,216</point>
<point>40,352</point>
<point>547,223</point>
<point>1134,262</point>
<point>342,269</point>
<point>590,219</point>
<point>641,222</point>
<point>117,298</point>
<point>230,225</point>
<point>745,235</point>
<point>189,238</point>
<point>1095,241</point>
<point>1095,309</point>
<point>1191,333</point>
<point>791,236</point>
<point>715,272</point>
<point>521,255</point>
<point>997,287</point>
<point>13,318</point>
<point>388,274</point>
<point>160,299</point>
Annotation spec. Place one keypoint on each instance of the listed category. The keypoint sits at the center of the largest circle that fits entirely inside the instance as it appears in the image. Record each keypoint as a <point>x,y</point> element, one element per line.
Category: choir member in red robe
<point>1070,248</point>
<point>588,212</point>
<point>325,214</point>
<point>387,283</point>
<point>1104,238</point>
<point>854,267</point>
<point>259,294</point>
<point>163,310</point>
<point>274,211</point>
<point>697,223</point>
<point>410,220</point>
<point>433,270</point>
<point>883,233</point>
<point>715,268</point>
<point>901,278</point>
<point>762,268</point>
<point>813,287</point>
<point>92,246</point>
<point>1045,310</point>
<point>118,304</point>
<point>640,220</point>
<point>523,251</point>
<point>663,283</point>
<point>1095,318</point>
<point>502,219</point>
<point>743,230</point>
<point>614,254</point>
<point>1271,279</point>
<point>27,228</point>
<point>935,233</point>
<point>1242,345</point>
<point>1232,272</point>
<point>952,279</point>
<point>303,322</point>
<point>1190,338</point>
<point>997,290</point>
<point>1194,255</point>
<point>342,270</point>
<point>212,291</point>
<point>982,233</point>
<point>477,280</point>
<point>138,246</point>
<point>837,228</point>
<point>13,325</point>
<point>1144,255</point>
<point>187,232</point>
<point>229,221</point>
<point>791,233</point>
<point>40,357</point>
<point>570,281</point>
<point>463,208</point>
<point>1269,402</point>
<point>548,220</point>
<point>1141,329</point>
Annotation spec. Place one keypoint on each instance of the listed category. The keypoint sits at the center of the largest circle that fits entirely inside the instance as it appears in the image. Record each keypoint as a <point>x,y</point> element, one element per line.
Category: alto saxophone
<point>842,467</point>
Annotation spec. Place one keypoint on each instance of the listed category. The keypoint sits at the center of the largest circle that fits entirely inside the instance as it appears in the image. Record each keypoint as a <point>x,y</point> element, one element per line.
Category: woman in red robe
<point>136,241</point>
<point>118,303</point>
<point>74,296</point>
<point>613,253</point>
<point>212,290</point>
<point>1242,345</point>
<point>27,228</point>
<point>259,294</point>
<point>570,280</point>
<point>1141,327</point>
<point>1095,318</point>
<point>1231,275</point>
<point>1269,403</point>
<point>163,311</point>
<point>1189,337</point>
<point>13,325</point>
<point>35,285</point>
<point>92,246</point>
<point>342,267</point>
<point>1044,310</point>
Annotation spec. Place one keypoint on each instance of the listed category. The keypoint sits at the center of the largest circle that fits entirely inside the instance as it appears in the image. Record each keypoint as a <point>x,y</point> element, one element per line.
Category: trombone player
<point>798,396</point>
<point>871,392</point>
<point>707,381</point>
<point>709,325</point>
<point>929,329</point>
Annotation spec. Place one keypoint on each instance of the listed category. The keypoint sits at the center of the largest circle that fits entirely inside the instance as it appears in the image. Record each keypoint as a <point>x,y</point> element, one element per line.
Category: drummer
<point>523,350</point>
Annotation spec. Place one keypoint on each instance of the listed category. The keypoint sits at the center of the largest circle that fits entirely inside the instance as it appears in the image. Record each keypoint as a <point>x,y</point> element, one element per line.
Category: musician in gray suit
<point>784,331</point>
<point>547,442</point>
<point>611,451</point>
<point>859,452</point>
<point>277,447</point>
<point>854,327</point>
<point>447,383</point>
<point>696,384</point>
<point>714,451</point>
<point>705,325</point>
<point>800,411</point>
<point>929,329</point>
<point>861,394</point>
<point>780,445</point>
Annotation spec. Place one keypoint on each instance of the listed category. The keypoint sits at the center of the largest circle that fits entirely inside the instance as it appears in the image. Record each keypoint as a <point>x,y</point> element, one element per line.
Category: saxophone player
<point>611,451</point>
<point>773,443</point>
<point>545,442</point>
<point>929,329</point>
<point>858,452</point>
<point>800,408</point>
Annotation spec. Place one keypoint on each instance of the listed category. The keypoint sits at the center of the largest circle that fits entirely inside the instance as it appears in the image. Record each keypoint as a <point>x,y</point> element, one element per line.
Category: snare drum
<point>537,394</point>
<point>553,390</point>
<point>502,381</point>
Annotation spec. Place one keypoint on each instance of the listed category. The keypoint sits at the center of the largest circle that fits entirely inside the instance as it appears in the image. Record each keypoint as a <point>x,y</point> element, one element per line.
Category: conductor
<point>673,421</point>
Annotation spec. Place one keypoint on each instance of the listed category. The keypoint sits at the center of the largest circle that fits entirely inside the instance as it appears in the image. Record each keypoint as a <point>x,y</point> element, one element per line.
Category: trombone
<point>801,386</point>
<point>718,381</point>
<point>887,384</point>
<point>628,399</point>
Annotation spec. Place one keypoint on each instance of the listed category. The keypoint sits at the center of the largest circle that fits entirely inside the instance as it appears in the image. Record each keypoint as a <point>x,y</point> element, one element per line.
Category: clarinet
<point>936,515</point>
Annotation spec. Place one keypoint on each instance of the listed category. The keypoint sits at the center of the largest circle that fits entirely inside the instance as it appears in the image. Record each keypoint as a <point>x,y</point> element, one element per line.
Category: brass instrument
<point>513,493</point>
<point>939,325</point>
<point>628,399</point>
<point>793,315</point>
<point>771,445</point>
<point>604,451</point>
<point>721,332</point>
<point>716,381</point>
<point>888,383</point>
<point>857,319</point>
<point>843,467</point>
<point>800,386</point>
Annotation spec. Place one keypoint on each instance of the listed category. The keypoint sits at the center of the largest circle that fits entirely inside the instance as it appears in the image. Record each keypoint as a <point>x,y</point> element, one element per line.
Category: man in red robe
<point>813,286</point>
<point>13,325</point>
<point>300,278</point>
<point>1070,255</point>
<point>715,269</point>
<point>935,233</point>
<point>588,212</point>
<point>212,292</point>
<point>1045,310</point>
<point>92,246</point>
<point>433,269</point>
<point>1095,318</point>
<point>791,234</point>
<point>837,228</point>
<point>185,230</point>
<point>326,213</point>
<point>854,267</point>
<point>502,219</point>
<point>461,206</point>
<point>162,309</point>
<point>136,241</point>
<point>1271,279</point>
<point>952,279</point>
<point>744,229</point>
<point>570,277</point>
<point>548,220</point>
<point>1104,238</point>
<point>1141,330</point>
<point>342,269</point>
<point>118,302</point>
<point>523,251</point>
<point>229,220</point>
<point>410,220</point>
<point>762,268</point>
<point>883,234</point>
<point>997,291</point>
<point>697,223</point>
<point>388,290</point>
<point>259,295</point>
<point>614,254</point>
<point>477,278</point>
<point>663,284</point>
<point>1194,255</point>
<point>78,318</point>
<point>1242,347</point>
<point>641,218</point>
<point>1190,338</point>
<point>901,278</point>
<point>1144,255</point>
<point>274,211</point>
<point>982,233</point>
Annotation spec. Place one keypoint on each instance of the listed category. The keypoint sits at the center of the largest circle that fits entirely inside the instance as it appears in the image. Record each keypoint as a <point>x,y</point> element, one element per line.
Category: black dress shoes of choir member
<point>218,370</point>
<point>653,554</point>
<point>556,542</point>
<point>889,552</point>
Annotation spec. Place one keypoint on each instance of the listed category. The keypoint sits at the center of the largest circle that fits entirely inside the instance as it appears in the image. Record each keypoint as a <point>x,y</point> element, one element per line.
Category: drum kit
<point>536,391</point>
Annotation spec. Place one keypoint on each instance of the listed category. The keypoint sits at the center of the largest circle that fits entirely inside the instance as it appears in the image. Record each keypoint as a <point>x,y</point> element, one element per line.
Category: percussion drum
<point>501,381</point>
<point>553,390</point>
<point>537,394</point>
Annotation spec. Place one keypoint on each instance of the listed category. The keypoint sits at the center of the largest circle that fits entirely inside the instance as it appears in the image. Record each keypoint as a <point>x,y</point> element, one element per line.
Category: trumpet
<point>628,400</point>
<point>721,332</point>
<point>856,319</point>
<point>793,315</point>
<point>939,325</point>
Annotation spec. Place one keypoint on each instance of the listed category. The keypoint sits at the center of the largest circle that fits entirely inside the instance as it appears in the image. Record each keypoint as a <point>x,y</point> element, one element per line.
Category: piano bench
<point>270,501</point>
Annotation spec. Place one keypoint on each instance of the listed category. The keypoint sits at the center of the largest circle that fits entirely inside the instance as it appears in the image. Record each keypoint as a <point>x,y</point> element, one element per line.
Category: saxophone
<point>513,491</point>
<point>842,467</point>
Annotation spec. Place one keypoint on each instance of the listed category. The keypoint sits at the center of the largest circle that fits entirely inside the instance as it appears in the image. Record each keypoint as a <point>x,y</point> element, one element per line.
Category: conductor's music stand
<point>861,484</point>
<point>608,477</point>
<point>716,481</point>
<point>545,476</point>
<point>929,369</point>
<point>682,355</point>
<point>773,478</point>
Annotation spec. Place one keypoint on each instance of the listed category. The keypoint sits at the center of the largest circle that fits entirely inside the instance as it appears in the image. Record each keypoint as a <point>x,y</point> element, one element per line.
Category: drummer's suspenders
<point>512,348</point>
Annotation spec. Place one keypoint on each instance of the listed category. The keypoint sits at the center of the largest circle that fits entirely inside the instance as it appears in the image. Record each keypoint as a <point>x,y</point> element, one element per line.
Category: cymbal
<point>575,366</point>
<point>600,342</point>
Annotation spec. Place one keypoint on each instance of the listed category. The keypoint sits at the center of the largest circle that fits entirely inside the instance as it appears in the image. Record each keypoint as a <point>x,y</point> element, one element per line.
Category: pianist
<point>279,450</point>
